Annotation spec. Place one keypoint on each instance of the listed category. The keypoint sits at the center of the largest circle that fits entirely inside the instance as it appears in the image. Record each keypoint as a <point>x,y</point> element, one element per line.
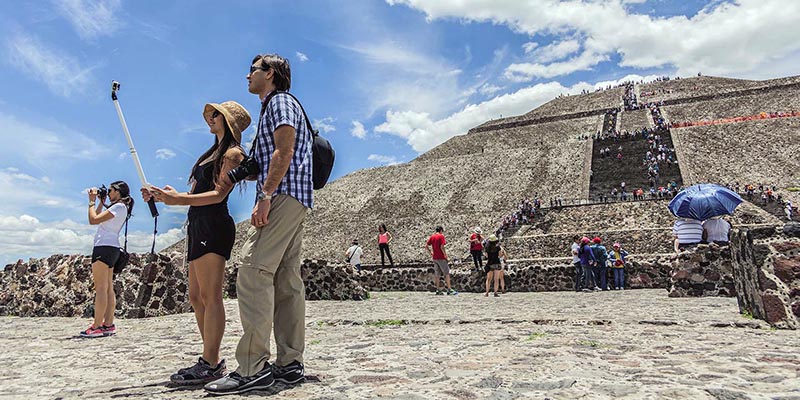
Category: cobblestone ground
<point>632,344</point>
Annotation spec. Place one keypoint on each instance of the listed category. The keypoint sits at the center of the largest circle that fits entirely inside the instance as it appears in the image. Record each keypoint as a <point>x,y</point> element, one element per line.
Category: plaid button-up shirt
<point>284,110</point>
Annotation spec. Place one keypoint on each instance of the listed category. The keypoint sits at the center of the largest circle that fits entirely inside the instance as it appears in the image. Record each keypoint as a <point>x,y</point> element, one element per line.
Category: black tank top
<point>204,182</point>
<point>493,253</point>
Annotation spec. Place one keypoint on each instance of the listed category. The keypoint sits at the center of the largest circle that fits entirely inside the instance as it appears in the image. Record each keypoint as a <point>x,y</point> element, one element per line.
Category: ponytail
<point>125,195</point>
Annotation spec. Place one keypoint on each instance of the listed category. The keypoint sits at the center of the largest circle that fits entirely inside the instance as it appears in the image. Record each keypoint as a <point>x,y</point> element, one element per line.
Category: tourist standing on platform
<point>353,255</point>
<point>494,254</point>
<point>576,261</point>
<point>441,268</point>
<point>587,262</point>
<point>106,253</point>
<point>384,238</point>
<point>618,262</point>
<point>476,248</point>
<point>210,234</point>
<point>600,269</point>
<point>269,286</point>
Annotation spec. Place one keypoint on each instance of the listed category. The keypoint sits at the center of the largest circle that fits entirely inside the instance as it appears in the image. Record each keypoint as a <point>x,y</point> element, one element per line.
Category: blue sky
<point>384,81</point>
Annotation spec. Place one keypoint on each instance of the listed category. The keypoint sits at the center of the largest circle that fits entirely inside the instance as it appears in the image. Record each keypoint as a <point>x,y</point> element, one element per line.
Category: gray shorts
<point>441,267</point>
<point>495,267</point>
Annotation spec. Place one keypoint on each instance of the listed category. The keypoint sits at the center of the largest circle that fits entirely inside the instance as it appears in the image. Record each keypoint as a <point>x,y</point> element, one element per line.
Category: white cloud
<point>300,56</point>
<point>28,191</point>
<point>487,89</point>
<point>48,145</point>
<point>422,132</point>
<point>385,160</point>
<point>555,51</point>
<point>358,130</point>
<point>325,125</point>
<point>403,75</point>
<point>718,40</point>
<point>26,236</point>
<point>91,19</point>
<point>164,154</point>
<point>530,47</point>
<point>526,72</point>
<point>60,72</point>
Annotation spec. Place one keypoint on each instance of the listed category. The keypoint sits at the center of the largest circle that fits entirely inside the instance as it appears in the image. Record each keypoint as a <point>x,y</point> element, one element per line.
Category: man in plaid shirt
<point>269,287</point>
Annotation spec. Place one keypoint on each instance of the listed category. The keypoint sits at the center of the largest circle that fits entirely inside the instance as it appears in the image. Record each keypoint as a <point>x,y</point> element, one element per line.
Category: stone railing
<point>61,285</point>
<point>151,286</point>
<point>643,272</point>
<point>635,241</point>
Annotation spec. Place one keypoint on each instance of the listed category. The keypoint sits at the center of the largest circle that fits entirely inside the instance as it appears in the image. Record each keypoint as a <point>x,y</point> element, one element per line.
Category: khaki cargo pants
<point>270,289</point>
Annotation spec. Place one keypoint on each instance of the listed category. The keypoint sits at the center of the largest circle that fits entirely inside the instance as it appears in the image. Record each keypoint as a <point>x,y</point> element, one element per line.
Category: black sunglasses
<point>253,69</point>
<point>215,114</point>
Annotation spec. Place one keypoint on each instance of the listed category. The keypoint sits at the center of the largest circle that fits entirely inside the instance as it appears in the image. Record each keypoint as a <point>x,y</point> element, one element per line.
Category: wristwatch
<point>261,196</point>
<point>91,204</point>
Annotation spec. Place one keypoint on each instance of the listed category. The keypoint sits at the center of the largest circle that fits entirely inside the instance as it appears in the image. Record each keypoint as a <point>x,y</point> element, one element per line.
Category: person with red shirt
<point>476,248</point>
<point>441,267</point>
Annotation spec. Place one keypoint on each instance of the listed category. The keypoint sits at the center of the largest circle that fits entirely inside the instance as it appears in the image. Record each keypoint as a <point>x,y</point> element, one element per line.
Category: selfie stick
<point>152,204</point>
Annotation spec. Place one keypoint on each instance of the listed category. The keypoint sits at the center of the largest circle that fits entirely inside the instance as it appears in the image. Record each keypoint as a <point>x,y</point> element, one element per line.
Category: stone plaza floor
<point>630,344</point>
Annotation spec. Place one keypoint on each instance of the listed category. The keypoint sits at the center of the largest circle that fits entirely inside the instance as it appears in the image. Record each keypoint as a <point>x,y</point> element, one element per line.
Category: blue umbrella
<point>704,201</point>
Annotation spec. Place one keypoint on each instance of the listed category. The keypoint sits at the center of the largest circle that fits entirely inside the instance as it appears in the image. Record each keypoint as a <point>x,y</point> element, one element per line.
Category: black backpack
<point>322,152</point>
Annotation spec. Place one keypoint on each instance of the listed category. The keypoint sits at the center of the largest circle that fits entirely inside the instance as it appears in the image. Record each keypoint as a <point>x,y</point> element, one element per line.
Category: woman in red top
<point>476,248</point>
<point>384,238</point>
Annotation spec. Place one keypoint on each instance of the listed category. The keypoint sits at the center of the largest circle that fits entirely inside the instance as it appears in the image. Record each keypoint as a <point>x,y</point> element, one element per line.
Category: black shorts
<point>210,233</point>
<point>107,254</point>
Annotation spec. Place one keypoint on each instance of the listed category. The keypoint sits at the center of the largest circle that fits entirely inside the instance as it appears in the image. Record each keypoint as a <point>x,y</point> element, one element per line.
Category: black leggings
<point>384,247</point>
<point>477,257</point>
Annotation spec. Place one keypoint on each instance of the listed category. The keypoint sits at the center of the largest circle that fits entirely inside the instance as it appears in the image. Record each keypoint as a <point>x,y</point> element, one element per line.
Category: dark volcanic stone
<point>774,308</point>
<point>792,229</point>
<point>787,269</point>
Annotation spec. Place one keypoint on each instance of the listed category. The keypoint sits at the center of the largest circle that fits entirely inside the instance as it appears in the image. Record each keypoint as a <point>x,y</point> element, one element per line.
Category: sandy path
<point>632,344</point>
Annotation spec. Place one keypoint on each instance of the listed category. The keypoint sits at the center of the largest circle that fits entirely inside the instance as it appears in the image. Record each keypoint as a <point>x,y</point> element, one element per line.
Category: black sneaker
<point>235,383</point>
<point>200,373</point>
<point>292,373</point>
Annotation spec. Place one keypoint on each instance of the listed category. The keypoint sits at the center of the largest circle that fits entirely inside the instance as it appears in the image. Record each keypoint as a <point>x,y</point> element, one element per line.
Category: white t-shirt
<point>716,230</point>
<point>355,254</point>
<point>575,247</point>
<point>108,232</point>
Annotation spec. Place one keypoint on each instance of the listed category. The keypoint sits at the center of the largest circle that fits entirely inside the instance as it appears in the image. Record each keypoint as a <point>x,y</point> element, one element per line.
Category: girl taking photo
<point>106,253</point>
<point>211,233</point>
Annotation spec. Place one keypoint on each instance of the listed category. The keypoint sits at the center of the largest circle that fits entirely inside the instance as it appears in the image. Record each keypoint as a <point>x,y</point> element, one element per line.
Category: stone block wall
<point>521,276</point>
<point>635,241</point>
<point>767,276</point>
<point>704,271</point>
<point>61,286</point>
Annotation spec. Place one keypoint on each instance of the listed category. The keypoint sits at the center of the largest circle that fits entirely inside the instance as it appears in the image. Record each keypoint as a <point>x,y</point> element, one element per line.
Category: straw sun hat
<point>237,118</point>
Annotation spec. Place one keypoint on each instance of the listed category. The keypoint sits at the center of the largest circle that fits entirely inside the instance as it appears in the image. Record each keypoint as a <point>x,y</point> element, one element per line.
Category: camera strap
<point>125,248</point>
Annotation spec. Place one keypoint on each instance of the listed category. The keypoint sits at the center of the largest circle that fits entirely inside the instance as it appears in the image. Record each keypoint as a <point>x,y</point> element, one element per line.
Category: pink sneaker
<point>108,330</point>
<point>92,332</point>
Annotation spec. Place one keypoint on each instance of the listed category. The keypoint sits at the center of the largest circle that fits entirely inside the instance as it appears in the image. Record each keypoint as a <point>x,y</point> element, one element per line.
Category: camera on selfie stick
<point>152,204</point>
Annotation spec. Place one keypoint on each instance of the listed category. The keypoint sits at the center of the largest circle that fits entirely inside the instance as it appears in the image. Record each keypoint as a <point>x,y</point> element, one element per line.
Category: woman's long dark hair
<point>493,246</point>
<point>124,195</point>
<point>217,151</point>
<point>382,226</point>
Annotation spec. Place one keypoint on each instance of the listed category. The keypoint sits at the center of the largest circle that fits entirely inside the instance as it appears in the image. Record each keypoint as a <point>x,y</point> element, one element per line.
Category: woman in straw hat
<point>211,233</point>
<point>494,253</point>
